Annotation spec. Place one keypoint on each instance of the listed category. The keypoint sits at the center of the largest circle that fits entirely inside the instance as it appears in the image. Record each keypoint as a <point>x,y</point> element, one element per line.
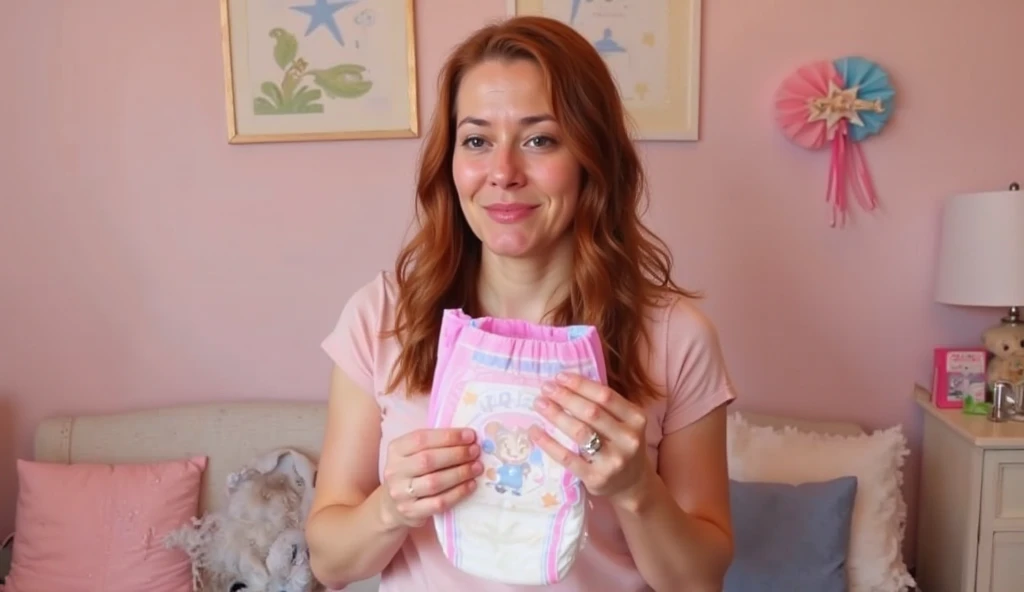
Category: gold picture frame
<point>319,70</point>
<point>660,87</point>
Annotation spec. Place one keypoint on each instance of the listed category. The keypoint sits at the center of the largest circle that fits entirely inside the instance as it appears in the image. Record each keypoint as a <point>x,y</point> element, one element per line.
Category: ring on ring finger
<point>593,445</point>
<point>411,491</point>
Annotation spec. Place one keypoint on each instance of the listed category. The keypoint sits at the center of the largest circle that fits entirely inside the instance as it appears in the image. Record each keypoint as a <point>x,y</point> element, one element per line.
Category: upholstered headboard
<point>230,434</point>
<point>839,428</point>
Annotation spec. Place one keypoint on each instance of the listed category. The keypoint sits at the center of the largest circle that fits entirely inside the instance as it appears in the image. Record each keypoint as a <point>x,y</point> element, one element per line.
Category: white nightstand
<point>970,534</point>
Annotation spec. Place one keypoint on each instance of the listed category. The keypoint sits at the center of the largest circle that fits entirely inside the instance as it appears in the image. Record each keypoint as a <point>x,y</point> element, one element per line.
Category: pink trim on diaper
<point>539,351</point>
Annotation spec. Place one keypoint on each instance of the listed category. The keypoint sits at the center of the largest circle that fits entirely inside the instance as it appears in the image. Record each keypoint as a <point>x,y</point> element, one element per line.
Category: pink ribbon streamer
<point>848,167</point>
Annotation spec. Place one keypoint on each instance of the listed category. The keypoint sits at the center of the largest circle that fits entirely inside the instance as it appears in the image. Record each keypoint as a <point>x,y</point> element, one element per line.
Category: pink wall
<point>146,262</point>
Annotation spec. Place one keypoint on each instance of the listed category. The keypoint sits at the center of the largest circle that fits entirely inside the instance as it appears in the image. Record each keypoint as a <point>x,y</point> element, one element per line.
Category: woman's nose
<point>506,170</point>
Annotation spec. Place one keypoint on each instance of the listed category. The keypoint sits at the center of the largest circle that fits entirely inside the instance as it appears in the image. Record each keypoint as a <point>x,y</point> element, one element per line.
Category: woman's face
<point>517,182</point>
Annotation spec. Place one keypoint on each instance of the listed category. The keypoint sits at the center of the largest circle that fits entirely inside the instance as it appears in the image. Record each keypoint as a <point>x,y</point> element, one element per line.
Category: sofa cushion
<point>91,527</point>
<point>790,537</point>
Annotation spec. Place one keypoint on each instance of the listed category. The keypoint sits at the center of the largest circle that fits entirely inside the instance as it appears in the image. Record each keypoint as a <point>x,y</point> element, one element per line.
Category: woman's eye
<point>473,142</point>
<point>541,142</point>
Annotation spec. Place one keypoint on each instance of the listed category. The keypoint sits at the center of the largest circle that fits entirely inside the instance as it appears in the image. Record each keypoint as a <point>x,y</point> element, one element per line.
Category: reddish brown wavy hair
<point>620,267</point>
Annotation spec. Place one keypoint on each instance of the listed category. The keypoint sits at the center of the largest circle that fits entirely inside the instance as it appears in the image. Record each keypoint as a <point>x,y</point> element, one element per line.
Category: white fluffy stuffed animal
<point>256,543</point>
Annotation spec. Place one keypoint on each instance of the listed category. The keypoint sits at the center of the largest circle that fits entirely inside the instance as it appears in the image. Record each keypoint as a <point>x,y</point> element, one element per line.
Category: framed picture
<point>959,376</point>
<point>304,70</point>
<point>653,49</point>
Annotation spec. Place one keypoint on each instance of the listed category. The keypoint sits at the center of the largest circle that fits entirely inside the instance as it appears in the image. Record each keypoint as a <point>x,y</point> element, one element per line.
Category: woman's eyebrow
<point>528,120</point>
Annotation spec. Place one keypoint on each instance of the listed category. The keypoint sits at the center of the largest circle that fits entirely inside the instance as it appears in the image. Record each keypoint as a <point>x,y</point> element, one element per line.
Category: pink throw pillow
<point>100,528</point>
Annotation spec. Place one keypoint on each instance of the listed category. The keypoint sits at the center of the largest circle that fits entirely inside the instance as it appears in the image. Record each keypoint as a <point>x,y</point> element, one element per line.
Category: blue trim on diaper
<point>504,362</point>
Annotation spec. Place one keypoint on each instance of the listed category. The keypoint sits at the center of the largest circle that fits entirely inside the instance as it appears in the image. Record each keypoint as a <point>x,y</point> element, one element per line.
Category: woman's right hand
<point>428,471</point>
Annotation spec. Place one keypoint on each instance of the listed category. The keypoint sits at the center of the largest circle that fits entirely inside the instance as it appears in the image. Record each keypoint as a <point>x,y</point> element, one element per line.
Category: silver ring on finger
<point>593,445</point>
<point>411,491</point>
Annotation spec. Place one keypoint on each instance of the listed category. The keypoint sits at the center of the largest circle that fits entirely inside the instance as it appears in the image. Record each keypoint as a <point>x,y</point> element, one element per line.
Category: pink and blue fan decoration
<point>838,104</point>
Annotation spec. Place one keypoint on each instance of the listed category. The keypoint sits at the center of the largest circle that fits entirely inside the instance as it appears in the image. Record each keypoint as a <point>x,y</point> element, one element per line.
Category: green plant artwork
<point>291,96</point>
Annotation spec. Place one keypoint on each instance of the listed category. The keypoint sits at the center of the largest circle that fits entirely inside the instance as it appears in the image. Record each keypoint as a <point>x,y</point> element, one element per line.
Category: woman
<point>528,192</point>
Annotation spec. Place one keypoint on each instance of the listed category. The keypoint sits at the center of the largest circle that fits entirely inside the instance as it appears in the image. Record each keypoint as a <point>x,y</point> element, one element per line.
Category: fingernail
<point>468,436</point>
<point>548,387</point>
<point>474,450</point>
<point>541,403</point>
<point>562,377</point>
<point>478,467</point>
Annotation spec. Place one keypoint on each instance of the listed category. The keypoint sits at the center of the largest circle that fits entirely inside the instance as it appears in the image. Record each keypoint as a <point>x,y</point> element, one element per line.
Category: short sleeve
<point>698,379</point>
<point>354,343</point>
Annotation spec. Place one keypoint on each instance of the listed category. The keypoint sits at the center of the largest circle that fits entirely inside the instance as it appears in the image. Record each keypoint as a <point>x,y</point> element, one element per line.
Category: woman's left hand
<point>582,408</point>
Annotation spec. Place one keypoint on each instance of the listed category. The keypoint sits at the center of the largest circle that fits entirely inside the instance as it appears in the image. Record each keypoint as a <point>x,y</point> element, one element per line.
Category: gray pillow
<point>790,538</point>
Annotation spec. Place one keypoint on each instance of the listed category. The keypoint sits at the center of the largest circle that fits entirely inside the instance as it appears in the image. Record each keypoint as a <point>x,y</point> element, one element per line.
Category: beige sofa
<point>230,434</point>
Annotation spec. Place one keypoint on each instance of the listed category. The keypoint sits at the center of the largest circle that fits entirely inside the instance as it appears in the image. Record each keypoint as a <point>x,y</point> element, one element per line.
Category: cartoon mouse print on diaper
<point>514,467</point>
<point>515,454</point>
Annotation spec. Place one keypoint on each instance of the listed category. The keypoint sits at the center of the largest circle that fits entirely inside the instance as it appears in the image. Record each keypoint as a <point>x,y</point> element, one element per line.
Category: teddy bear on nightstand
<point>1006,344</point>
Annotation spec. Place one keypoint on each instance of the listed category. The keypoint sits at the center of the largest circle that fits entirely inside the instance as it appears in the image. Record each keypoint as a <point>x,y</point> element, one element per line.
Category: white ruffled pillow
<point>787,455</point>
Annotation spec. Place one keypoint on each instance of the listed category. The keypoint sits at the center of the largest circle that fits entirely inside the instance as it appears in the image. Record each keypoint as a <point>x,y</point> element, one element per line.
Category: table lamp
<point>981,251</point>
<point>981,254</point>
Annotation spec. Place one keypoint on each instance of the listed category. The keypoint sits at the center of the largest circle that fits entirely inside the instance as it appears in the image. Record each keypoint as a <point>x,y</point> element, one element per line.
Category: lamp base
<point>1005,344</point>
<point>1012,317</point>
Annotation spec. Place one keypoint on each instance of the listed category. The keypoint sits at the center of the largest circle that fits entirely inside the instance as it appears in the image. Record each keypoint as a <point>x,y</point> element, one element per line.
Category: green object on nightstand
<point>973,407</point>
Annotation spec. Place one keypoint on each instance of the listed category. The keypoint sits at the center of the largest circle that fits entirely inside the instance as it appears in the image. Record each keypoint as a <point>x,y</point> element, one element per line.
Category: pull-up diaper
<point>524,523</point>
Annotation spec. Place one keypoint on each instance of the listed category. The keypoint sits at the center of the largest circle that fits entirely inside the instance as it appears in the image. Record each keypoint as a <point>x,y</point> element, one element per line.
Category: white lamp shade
<point>981,250</point>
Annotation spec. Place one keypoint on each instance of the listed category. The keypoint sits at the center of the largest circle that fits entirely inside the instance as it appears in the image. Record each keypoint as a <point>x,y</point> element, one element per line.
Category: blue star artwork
<point>575,11</point>
<point>321,14</point>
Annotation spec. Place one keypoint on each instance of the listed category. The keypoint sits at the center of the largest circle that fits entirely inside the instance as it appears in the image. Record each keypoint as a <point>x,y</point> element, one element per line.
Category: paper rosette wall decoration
<point>837,104</point>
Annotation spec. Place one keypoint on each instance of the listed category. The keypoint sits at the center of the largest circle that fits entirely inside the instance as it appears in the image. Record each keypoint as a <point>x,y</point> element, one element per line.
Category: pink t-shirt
<point>685,358</point>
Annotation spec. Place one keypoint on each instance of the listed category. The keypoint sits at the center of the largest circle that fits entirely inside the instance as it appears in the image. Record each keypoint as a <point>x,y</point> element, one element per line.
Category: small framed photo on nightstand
<point>958,376</point>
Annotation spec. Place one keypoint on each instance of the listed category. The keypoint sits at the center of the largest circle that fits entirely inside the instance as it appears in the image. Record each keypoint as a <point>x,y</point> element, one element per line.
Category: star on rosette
<point>840,103</point>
